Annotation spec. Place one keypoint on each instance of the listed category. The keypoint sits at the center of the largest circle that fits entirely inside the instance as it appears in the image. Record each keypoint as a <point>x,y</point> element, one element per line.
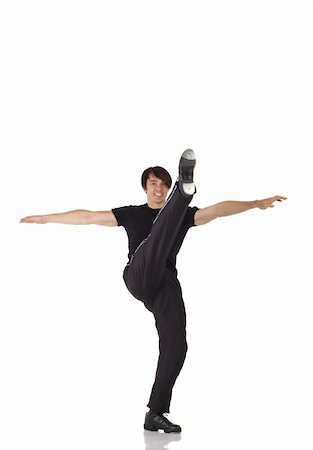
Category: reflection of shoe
<point>158,441</point>
<point>155,422</point>
<point>186,165</point>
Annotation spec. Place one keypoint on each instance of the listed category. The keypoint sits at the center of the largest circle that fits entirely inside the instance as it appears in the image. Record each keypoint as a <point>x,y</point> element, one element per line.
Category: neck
<point>155,205</point>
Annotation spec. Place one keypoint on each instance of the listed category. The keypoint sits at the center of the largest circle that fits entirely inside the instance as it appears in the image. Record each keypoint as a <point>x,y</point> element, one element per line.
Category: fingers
<point>268,202</point>
<point>29,219</point>
<point>279,198</point>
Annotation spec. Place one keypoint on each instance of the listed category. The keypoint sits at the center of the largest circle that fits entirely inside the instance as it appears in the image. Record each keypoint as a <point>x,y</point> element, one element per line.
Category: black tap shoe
<point>155,421</point>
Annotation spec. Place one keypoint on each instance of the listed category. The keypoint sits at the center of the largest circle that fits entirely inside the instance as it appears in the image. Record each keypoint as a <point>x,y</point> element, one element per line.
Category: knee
<point>184,346</point>
<point>180,346</point>
<point>180,352</point>
<point>138,291</point>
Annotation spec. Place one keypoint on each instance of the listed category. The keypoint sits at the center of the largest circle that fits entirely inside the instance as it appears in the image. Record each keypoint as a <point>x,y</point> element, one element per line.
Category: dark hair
<point>159,172</point>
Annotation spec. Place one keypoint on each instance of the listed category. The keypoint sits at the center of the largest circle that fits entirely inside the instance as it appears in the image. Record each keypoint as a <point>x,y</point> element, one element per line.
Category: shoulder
<point>127,208</point>
<point>124,214</point>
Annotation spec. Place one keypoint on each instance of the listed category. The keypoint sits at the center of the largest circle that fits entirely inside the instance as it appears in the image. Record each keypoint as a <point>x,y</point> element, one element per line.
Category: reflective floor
<point>159,441</point>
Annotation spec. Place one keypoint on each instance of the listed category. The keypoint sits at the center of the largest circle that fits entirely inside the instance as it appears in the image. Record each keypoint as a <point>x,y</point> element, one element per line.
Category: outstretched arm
<point>76,217</point>
<point>230,207</point>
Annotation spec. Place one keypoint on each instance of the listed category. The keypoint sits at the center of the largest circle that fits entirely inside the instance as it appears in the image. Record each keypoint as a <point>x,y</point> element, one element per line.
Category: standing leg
<point>170,320</point>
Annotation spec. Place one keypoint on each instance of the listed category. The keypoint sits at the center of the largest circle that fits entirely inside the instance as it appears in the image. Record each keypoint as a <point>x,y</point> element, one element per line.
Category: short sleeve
<point>190,216</point>
<point>121,215</point>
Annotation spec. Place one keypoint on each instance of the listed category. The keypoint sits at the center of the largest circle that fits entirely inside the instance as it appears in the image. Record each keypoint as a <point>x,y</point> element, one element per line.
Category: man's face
<point>156,191</point>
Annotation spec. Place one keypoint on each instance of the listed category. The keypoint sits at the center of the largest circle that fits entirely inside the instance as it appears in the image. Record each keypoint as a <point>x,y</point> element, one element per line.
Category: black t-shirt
<point>138,220</point>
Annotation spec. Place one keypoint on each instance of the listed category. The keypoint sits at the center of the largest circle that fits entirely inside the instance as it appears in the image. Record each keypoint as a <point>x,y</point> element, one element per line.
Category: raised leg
<point>147,267</point>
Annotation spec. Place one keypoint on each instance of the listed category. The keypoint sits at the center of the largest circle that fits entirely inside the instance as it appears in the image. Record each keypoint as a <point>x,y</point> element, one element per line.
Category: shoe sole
<point>187,163</point>
<point>157,429</point>
<point>189,154</point>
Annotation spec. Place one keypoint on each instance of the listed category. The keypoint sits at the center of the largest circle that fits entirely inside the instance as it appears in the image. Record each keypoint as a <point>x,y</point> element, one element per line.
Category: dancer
<point>156,231</point>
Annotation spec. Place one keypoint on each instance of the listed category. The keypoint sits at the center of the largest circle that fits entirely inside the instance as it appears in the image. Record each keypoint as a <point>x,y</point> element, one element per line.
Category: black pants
<point>149,280</point>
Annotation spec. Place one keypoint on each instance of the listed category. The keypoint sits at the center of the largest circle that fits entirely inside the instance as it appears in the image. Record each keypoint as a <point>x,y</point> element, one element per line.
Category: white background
<point>91,94</point>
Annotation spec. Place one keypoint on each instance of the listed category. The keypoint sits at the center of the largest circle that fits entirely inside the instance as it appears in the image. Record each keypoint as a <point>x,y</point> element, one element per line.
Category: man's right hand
<point>33,219</point>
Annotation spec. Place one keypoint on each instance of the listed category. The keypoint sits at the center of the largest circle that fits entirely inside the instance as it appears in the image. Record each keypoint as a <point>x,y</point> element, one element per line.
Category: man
<point>156,231</point>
